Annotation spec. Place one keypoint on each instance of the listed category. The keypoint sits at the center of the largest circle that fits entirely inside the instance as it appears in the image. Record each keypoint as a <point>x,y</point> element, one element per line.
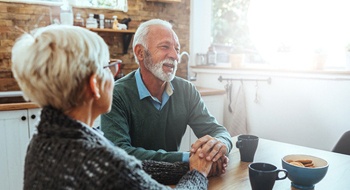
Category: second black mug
<point>262,176</point>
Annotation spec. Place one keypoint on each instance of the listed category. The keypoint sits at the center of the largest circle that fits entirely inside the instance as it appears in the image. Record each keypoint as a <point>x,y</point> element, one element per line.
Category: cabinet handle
<point>23,118</point>
<point>33,116</point>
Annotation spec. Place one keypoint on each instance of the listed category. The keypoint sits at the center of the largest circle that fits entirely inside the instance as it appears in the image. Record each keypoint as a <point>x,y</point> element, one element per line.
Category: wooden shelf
<point>112,30</point>
<point>127,35</point>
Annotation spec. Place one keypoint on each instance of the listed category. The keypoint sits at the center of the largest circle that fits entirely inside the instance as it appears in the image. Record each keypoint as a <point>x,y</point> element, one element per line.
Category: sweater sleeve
<point>165,172</point>
<point>115,126</point>
<point>127,173</point>
<point>139,179</point>
<point>203,123</point>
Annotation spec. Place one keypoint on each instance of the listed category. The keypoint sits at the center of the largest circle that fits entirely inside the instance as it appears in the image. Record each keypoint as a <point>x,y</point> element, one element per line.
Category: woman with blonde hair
<point>64,69</point>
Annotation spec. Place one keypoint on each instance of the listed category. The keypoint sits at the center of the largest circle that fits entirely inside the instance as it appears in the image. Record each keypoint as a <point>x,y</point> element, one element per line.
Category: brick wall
<point>26,16</point>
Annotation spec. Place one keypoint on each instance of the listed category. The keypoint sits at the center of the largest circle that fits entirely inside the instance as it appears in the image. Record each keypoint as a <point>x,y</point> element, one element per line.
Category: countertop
<point>18,106</point>
<point>210,91</point>
<point>28,105</point>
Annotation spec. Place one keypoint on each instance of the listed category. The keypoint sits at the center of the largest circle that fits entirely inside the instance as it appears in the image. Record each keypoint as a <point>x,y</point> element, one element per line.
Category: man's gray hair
<point>141,33</point>
<point>53,64</point>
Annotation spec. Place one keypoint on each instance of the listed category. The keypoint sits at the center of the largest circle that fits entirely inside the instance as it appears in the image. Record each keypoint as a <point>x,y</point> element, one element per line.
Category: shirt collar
<point>143,91</point>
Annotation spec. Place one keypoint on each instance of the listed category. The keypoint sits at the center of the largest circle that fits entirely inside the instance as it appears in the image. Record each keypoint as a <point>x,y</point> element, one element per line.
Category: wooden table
<point>236,177</point>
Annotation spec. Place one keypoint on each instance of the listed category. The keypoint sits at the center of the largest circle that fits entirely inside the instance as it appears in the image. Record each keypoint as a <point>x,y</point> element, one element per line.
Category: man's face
<point>161,57</point>
<point>164,70</point>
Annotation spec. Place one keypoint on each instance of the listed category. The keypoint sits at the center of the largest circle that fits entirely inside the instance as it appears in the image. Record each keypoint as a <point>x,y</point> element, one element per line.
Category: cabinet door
<point>186,140</point>
<point>13,144</point>
<point>215,105</point>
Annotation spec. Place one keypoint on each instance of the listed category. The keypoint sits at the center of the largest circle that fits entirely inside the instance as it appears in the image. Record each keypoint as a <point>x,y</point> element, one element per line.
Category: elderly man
<point>152,107</point>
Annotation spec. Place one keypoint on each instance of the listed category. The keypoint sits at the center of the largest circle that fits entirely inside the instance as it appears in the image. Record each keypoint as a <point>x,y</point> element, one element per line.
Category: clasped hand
<point>213,150</point>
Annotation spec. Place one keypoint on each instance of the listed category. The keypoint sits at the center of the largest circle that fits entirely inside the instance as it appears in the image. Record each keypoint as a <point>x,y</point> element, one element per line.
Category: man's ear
<point>94,86</point>
<point>139,52</point>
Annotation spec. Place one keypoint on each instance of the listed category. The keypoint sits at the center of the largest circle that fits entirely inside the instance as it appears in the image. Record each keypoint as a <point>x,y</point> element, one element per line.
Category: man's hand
<point>211,148</point>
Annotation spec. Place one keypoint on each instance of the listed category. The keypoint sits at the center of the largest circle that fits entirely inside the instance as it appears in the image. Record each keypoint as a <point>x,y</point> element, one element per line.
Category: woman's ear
<point>94,86</point>
<point>139,52</point>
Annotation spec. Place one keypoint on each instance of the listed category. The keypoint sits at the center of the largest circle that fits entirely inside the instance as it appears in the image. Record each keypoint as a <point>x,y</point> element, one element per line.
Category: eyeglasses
<point>114,66</point>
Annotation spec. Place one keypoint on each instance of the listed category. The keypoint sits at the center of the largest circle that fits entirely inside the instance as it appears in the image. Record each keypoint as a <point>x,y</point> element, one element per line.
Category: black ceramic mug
<point>262,176</point>
<point>247,145</point>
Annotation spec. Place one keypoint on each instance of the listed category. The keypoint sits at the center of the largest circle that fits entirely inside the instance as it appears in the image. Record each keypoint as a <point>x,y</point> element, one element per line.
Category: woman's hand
<point>202,165</point>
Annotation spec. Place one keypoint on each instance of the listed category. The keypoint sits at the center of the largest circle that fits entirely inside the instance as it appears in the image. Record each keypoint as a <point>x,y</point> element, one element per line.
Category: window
<point>115,4</point>
<point>286,34</point>
<point>121,5</point>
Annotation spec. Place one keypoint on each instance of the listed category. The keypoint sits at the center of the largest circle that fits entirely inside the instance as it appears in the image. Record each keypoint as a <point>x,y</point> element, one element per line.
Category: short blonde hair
<point>53,64</point>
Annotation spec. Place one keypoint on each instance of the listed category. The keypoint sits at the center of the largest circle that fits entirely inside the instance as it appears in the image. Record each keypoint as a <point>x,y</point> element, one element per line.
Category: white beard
<point>157,68</point>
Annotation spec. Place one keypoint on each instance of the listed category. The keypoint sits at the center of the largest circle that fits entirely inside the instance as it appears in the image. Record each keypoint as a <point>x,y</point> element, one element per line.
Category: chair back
<point>343,145</point>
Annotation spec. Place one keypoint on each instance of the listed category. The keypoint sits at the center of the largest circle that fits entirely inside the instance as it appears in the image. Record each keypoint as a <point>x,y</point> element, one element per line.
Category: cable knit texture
<point>65,154</point>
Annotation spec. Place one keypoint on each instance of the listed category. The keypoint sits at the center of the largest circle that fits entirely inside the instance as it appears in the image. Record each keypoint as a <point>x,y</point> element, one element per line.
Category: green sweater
<point>150,134</point>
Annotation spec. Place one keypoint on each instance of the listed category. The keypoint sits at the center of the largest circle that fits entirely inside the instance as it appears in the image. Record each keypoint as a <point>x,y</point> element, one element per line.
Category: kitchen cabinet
<point>214,100</point>
<point>17,126</point>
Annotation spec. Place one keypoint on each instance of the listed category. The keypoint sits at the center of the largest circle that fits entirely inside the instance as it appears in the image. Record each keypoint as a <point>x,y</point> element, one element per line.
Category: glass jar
<point>211,56</point>
<point>108,24</point>
<point>66,14</point>
<point>78,21</point>
<point>102,22</point>
<point>91,22</point>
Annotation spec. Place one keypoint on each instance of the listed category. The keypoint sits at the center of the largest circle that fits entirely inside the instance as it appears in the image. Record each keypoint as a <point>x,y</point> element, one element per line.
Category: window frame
<point>60,2</point>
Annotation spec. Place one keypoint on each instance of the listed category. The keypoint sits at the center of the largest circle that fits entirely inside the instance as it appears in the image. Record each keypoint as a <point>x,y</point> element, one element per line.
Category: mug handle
<point>239,144</point>
<point>285,174</point>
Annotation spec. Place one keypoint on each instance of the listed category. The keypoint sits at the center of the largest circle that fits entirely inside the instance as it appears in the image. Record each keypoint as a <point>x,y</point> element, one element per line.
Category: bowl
<point>306,176</point>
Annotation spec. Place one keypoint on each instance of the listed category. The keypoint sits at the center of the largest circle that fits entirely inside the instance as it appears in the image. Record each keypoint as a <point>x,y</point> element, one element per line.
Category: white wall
<point>305,109</point>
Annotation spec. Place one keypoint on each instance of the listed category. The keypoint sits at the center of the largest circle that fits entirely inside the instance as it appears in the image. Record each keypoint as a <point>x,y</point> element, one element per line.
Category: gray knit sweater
<point>65,154</point>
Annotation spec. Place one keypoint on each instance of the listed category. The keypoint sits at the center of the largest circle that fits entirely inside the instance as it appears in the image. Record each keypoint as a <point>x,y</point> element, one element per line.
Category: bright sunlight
<point>301,34</point>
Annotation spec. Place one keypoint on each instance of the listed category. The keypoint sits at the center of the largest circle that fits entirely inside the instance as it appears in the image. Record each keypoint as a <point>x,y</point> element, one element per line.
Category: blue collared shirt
<point>144,93</point>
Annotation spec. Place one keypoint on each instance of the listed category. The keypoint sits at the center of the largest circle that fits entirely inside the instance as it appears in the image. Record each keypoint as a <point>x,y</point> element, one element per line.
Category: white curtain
<point>235,112</point>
